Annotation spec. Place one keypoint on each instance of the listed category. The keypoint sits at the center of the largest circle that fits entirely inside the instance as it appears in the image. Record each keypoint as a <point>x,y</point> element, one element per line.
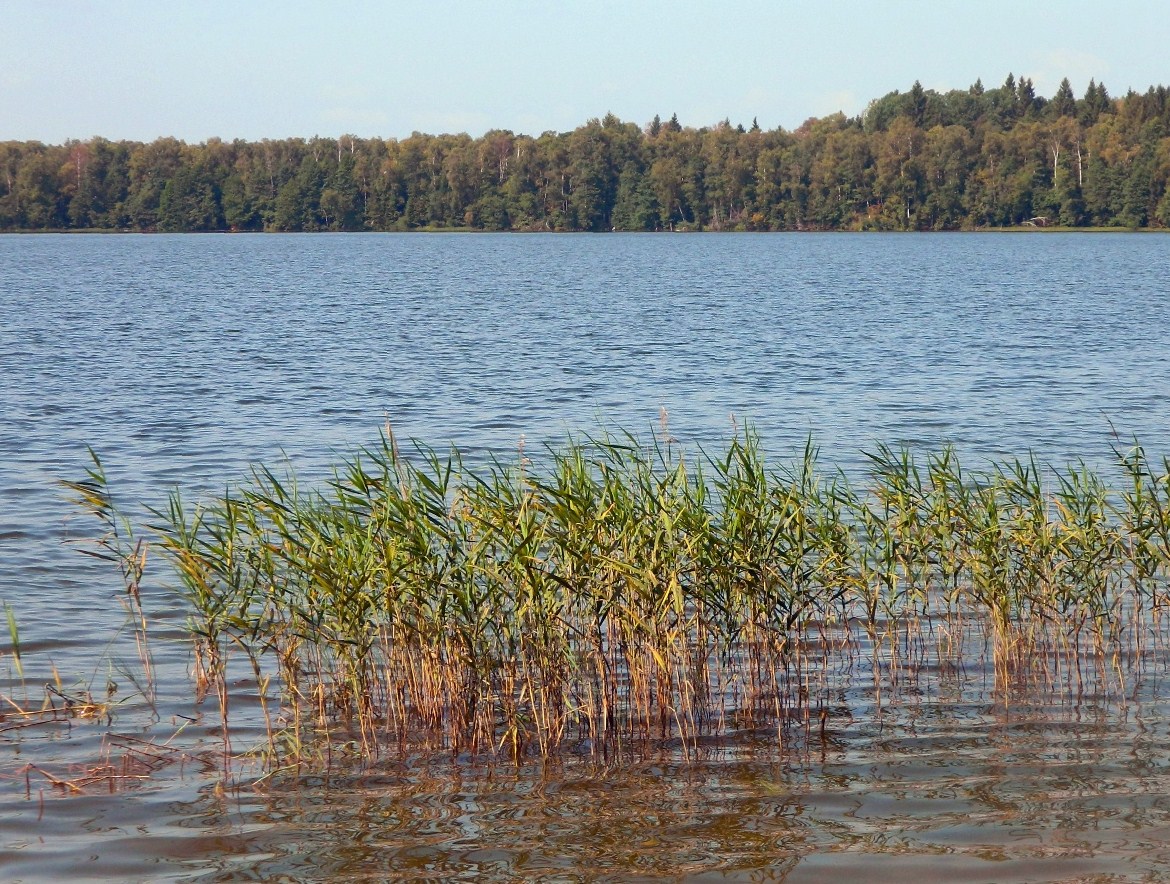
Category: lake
<point>181,360</point>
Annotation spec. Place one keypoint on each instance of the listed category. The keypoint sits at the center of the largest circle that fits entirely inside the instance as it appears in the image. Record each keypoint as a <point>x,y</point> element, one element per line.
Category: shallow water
<point>945,783</point>
<point>183,359</point>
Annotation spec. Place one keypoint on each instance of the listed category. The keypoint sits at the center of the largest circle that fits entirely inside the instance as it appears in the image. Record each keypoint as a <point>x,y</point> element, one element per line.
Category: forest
<point>914,160</point>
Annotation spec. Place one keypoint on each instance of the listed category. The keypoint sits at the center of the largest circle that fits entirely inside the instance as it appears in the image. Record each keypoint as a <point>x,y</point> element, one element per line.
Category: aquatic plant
<point>118,544</point>
<point>14,639</point>
<point>611,592</point>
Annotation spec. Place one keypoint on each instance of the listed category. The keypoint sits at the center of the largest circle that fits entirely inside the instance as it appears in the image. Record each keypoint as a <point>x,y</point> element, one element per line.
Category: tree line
<point>914,160</point>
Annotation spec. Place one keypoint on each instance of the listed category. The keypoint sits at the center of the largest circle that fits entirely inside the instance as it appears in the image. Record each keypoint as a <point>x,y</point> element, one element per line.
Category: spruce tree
<point>1064,103</point>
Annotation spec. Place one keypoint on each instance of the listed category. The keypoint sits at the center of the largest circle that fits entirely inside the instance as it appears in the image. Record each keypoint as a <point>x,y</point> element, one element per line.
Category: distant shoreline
<point>479,231</point>
<point>986,159</point>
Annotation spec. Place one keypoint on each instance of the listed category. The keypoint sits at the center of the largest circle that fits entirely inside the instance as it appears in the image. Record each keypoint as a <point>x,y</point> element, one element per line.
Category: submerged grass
<point>617,592</point>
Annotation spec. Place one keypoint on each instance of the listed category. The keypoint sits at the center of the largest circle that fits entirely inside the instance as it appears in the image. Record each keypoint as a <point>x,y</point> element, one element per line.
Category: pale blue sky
<point>138,70</point>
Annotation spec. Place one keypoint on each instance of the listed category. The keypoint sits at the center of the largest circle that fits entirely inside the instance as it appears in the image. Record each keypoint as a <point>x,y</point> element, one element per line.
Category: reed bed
<point>611,593</point>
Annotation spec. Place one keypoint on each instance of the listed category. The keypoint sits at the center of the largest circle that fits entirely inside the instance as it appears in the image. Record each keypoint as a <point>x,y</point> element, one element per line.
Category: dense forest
<point>918,160</point>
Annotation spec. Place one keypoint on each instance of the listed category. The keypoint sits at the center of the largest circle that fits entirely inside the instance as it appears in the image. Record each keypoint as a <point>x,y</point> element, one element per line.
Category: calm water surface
<point>183,359</point>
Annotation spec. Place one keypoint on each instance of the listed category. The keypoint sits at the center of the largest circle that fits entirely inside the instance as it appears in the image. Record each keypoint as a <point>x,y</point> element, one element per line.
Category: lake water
<point>182,359</point>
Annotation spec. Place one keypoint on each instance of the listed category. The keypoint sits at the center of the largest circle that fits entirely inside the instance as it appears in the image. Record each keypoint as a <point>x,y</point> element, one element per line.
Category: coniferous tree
<point>1064,103</point>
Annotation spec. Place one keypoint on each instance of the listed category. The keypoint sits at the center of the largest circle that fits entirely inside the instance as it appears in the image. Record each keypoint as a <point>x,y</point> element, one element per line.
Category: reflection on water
<point>929,769</point>
<point>948,782</point>
<point>182,359</point>
<point>943,793</point>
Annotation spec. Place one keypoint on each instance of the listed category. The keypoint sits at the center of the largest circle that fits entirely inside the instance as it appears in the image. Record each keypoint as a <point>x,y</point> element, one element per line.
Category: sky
<point>194,70</point>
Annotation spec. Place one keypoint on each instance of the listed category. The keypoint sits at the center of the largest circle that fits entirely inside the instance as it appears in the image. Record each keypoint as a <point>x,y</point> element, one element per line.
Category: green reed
<point>613,591</point>
<point>119,545</point>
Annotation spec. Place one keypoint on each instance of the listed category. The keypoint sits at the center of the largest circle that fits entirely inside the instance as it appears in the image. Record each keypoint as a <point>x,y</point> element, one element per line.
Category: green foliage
<point>189,202</point>
<point>919,160</point>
